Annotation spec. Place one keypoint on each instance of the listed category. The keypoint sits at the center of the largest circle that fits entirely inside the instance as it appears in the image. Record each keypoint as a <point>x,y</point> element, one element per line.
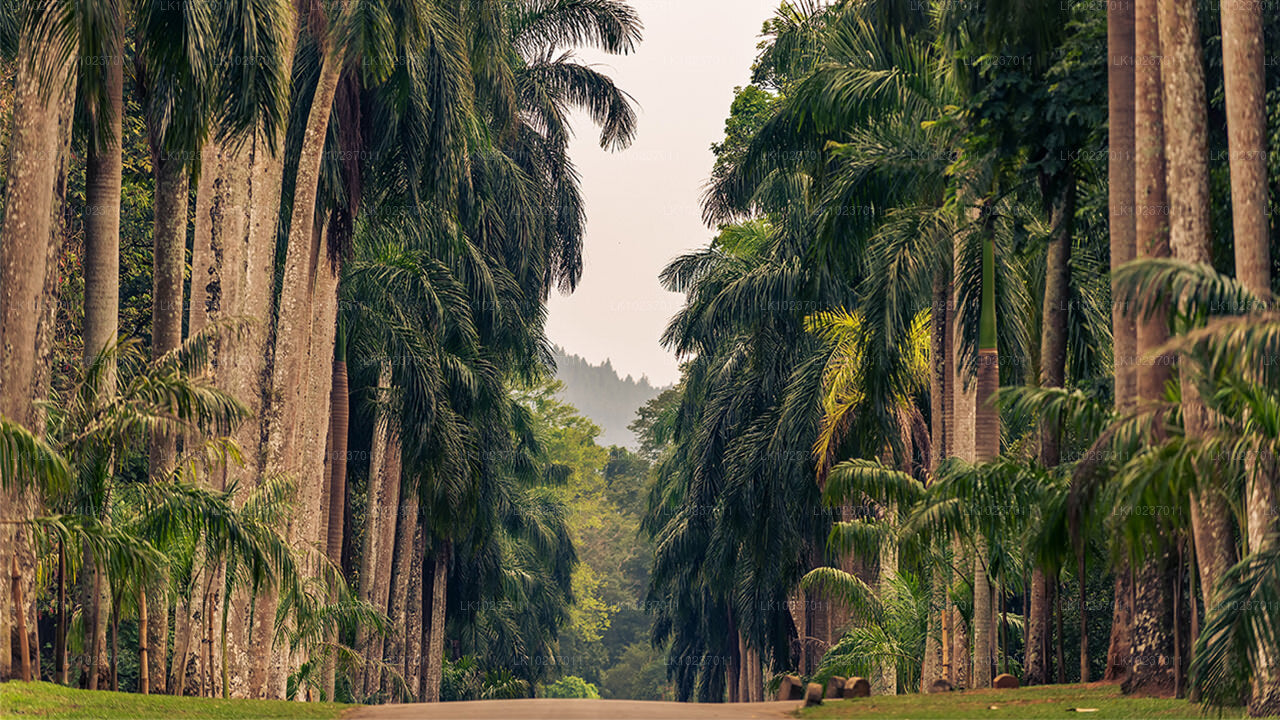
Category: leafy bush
<point>570,686</point>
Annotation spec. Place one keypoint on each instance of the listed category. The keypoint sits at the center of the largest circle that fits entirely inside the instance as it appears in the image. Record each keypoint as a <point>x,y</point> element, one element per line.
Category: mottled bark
<point>103,177</point>
<point>376,504</point>
<point>1121,644</point>
<point>398,610</point>
<point>1037,662</point>
<point>1245,76</point>
<point>1186,143</point>
<point>1152,671</point>
<point>415,613</point>
<point>39,130</point>
<point>435,644</point>
<point>169,245</point>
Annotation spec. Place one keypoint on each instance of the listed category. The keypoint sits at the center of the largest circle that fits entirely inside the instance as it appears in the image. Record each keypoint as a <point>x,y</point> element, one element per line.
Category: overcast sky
<point>642,203</point>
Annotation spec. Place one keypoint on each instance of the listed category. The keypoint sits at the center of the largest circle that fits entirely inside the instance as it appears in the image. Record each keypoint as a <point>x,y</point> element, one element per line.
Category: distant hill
<point>598,393</point>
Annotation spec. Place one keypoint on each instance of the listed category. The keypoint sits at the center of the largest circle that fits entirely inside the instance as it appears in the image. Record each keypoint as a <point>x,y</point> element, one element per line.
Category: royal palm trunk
<point>1186,143</point>
<point>398,611</point>
<point>36,170</point>
<point>169,245</point>
<point>103,173</point>
<point>1244,75</point>
<point>1121,20</point>
<point>435,643</point>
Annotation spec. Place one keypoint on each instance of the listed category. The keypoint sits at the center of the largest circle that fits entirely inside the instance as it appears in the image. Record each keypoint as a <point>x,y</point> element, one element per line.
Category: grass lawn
<point>1046,701</point>
<point>46,700</point>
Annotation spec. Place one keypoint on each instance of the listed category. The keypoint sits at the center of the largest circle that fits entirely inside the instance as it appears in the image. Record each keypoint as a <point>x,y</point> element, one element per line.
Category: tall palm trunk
<point>413,626</point>
<point>435,644</point>
<point>339,418</point>
<point>1121,21</point>
<point>934,664</point>
<point>103,175</point>
<point>1152,611</point>
<point>986,438</point>
<point>375,509</point>
<point>1186,143</point>
<point>1245,76</point>
<point>296,422</point>
<point>398,610</point>
<point>36,170</point>
<point>169,242</point>
<point>1053,370</point>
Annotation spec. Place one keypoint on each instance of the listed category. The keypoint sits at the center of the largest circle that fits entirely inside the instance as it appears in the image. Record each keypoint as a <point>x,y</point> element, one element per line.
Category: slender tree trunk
<point>1060,662</point>
<point>144,669</point>
<point>169,240</point>
<point>406,527</point>
<point>1244,74</point>
<point>1186,140</point>
<point>986,433</point>
<point>435,647</point>
<point>934,664</point>
<point>60,635</point>
<point>886,676</point>
<point>1123,228</point>
<point>415,618</point>
<point>376,514</point>
<point>1121,645</point>
<point>1084,622</point>
<point>1053,364</point>
<point>339,417</point>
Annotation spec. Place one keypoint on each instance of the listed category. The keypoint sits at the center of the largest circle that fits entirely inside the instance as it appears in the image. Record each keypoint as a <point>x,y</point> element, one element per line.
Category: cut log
<point>791,688</point>
<point>857,688</point>
<point>1005,681</point>
<point>835,687</point>
<point>941,685</point>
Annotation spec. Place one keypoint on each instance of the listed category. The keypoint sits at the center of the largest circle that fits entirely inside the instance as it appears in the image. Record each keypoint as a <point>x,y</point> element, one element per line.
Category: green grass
<point>46,700</point>
<point>1046,701</point>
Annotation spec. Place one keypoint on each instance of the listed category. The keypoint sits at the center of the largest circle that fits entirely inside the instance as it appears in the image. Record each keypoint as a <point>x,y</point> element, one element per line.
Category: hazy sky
<point>642,203</point>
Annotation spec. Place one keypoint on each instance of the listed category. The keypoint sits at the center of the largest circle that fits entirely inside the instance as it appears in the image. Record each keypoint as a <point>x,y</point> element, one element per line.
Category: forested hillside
<point>599,393</point>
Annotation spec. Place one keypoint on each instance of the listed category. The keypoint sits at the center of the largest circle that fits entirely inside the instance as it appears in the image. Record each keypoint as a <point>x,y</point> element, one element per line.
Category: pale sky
<point>643,203</point>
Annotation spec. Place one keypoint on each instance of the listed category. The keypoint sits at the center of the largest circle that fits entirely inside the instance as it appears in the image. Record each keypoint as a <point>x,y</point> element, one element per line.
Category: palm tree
<point>1242,53</point>
<point>43,89</point>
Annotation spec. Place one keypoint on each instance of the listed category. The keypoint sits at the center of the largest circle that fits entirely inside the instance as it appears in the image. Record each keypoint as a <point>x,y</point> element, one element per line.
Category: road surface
<point>552,709</point>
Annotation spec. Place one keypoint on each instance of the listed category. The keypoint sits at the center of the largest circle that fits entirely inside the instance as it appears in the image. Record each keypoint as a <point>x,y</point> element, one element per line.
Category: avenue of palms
<point>978,374</point>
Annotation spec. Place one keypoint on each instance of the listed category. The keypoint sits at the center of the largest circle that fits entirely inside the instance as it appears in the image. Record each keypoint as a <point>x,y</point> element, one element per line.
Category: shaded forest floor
<point>49,701</point>
<point>1091,702</point>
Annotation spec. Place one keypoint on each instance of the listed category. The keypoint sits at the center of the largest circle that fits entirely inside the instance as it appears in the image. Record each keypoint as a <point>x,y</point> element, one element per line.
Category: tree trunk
<point>339,417</point>
<point>435,645</point>
<point>377,501</point>
<point>885,681</point>
<point>393,654</point>
<point>1037,671</point>
<point>986,437</point>
<point>1186,141</point>
<point>42,87</point>
<point>1152,671</point>
<point>169,240</point>
<point>60,635</point>
<point>934,664</point>
<point>1121,19</point>
<point>1121,645</point>
<point>1244,74</point>
<point>415,607</point>
<point>1053,364</point>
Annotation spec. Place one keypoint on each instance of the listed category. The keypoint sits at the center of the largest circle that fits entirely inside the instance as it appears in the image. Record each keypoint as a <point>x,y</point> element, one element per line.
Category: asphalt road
<point>551,709</point>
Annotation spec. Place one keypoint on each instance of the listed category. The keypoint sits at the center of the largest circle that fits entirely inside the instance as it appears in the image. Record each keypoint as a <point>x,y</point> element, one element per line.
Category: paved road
<point>549,709</point>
